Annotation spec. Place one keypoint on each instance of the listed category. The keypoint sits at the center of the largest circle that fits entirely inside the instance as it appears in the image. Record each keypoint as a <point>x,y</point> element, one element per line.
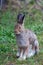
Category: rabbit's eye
<point>19,27</point>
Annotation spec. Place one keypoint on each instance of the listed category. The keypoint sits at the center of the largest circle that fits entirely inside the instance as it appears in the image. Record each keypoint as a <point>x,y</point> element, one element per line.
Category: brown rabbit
<point>26,40</point>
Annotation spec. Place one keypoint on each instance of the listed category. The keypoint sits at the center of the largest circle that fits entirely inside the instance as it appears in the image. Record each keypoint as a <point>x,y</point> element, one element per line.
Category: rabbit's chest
<point>22,40</point>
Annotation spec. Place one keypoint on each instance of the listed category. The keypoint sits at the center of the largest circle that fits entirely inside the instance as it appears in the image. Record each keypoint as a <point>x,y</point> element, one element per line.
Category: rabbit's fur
<point>26,40</point>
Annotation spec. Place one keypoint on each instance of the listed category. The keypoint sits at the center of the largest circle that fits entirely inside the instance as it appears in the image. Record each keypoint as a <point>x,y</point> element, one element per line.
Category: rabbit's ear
<point>20,18</point>
<point>23,17</point>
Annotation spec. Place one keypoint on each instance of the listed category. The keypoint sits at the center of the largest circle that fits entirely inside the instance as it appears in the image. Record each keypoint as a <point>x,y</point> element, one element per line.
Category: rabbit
<point>27,41</point>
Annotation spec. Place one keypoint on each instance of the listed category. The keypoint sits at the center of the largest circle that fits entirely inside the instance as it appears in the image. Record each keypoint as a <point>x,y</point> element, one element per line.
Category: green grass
<point>8,47</point>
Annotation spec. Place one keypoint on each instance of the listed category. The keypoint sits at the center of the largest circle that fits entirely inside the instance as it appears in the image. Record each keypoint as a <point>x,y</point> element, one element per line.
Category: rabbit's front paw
<point>20,58</point>
<point>24,57</point>
<point>18,54</point>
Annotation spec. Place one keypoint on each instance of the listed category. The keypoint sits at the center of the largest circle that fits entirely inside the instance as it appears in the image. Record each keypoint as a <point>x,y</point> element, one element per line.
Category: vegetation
<point>8,47</point>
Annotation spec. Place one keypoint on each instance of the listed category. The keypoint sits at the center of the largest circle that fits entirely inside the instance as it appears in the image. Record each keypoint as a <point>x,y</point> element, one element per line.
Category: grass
<point>8,47</point>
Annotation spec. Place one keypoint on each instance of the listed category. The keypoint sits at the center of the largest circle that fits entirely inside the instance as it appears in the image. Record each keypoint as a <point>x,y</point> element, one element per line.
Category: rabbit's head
<point>18,28</point>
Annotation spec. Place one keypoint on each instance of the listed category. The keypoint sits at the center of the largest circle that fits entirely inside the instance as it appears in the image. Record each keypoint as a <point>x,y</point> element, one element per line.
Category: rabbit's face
<point>18,28</point>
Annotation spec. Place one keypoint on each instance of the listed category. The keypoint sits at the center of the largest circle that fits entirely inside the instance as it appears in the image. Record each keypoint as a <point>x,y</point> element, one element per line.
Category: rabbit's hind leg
<point>31,52</point>
<point>36,44</point>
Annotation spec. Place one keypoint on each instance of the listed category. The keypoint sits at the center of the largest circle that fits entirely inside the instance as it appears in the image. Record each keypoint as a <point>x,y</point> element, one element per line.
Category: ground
<point>8,46</point>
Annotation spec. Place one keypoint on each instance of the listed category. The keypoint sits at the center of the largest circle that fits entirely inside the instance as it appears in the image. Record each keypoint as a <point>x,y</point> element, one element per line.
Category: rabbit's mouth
<point>17,32</point>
